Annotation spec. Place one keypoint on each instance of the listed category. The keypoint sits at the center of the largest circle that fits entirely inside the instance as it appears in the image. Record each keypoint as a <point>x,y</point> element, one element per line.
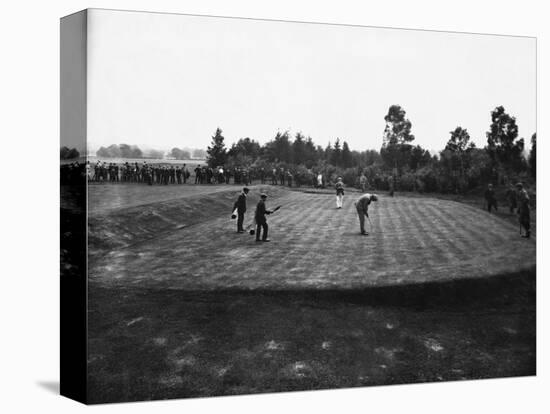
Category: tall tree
<point>311,154</point>
<point>245,147</point>
<point>457,149</point>
<point>321,155</point>
<point>216,152</point>
<point>397,137</point>
<point>328,152</point>
<point>459,140</point>
<point>398,128</point>
<point>336,156</point>
<point>279,149</point>
<point>419,157</point>
<point>372,157</point>
<point>366,158</point>
<point>505,150</point>
<point>299,149</point>
<point>346,156</point>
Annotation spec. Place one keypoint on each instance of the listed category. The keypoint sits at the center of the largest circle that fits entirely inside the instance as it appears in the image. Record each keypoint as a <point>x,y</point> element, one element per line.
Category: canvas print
<point>255,206</point>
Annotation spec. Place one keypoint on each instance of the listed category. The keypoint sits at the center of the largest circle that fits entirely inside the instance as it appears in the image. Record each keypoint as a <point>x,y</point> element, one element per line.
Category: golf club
<point>251,228</point>
<point>370,223</point>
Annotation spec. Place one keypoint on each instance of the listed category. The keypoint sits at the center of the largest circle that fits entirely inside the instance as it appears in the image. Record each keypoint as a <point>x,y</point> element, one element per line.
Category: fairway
<point>186,240</point>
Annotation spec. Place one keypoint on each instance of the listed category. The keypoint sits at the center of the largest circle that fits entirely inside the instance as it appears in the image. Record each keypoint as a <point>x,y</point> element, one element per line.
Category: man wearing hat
<point>261,222</point>
<point>524,211</point>
<point>362,206</point>
<point>240,206</point>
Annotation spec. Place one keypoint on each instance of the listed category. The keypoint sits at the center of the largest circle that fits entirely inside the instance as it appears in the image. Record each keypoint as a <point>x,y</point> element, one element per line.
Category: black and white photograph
<point>288,207</point>
<point>279,206</point>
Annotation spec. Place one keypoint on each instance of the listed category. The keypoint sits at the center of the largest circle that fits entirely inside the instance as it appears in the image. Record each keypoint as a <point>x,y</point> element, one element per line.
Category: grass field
<point>181,306</point>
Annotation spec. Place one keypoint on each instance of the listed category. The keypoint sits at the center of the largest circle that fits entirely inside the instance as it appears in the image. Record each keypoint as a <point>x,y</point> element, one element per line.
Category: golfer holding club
<point>261,222</point>
<point>362,206</point>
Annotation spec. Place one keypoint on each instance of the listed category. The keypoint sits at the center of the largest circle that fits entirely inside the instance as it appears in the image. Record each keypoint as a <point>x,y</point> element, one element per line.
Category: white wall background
<point>29,134</point>
<point>167,80</point>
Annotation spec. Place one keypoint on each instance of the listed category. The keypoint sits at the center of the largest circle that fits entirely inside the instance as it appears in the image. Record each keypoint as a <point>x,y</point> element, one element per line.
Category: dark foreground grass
<point>157,344</point>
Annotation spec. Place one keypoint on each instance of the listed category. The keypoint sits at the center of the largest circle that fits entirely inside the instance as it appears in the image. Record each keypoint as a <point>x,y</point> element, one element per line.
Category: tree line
<point>133,151</point>
<point>399,164</point>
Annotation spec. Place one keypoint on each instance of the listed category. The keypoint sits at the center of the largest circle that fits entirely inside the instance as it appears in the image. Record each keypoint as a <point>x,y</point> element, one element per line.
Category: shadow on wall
<point>51,386</point>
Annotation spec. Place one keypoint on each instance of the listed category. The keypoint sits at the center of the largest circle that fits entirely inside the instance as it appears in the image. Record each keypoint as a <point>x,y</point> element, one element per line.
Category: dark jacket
<point>261,211</point>
<point>523,204</point>
<point>362,204</point>
<point>339,188</point>
<point>240,204</point>
<point>490,195</point>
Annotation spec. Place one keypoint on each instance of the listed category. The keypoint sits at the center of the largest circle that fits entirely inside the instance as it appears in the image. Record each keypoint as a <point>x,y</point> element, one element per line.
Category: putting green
<point>189,242</point>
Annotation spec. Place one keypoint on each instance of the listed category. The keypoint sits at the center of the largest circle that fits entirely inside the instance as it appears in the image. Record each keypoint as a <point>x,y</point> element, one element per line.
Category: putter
<point>251,229</point>
<point>370,224</point>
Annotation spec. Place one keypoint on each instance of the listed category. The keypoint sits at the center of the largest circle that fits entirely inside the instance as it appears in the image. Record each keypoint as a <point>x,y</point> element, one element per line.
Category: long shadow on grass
<point>514,288</point>
<point>152,344</point>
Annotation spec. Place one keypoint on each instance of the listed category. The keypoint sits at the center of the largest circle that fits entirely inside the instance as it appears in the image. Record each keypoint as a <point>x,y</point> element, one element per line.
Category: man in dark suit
<point>490,198</point>
<point>240,206</point>
<point>198,175</point>
<point>184,173</point>
<point>261,222</point>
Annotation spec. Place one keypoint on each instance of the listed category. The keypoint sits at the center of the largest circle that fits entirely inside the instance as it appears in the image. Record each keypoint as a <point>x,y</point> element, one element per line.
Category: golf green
<point>188,241</point>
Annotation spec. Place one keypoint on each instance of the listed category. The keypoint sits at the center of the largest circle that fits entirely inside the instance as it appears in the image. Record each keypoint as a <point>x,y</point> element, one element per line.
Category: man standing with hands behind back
<point>240,206</point>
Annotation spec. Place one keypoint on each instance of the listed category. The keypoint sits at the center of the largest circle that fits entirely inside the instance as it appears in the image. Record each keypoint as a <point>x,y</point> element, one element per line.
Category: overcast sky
<point>164,80</point>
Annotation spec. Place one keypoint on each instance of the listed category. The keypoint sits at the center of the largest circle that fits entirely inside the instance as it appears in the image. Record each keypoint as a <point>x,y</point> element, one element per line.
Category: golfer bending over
<point>362,206</point>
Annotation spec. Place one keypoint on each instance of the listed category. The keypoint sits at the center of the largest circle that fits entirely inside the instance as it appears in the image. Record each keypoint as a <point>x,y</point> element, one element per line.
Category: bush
<point>407,182</point>
<point>350,176</point>
<point>302,176</point>
<point>427,178</point>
